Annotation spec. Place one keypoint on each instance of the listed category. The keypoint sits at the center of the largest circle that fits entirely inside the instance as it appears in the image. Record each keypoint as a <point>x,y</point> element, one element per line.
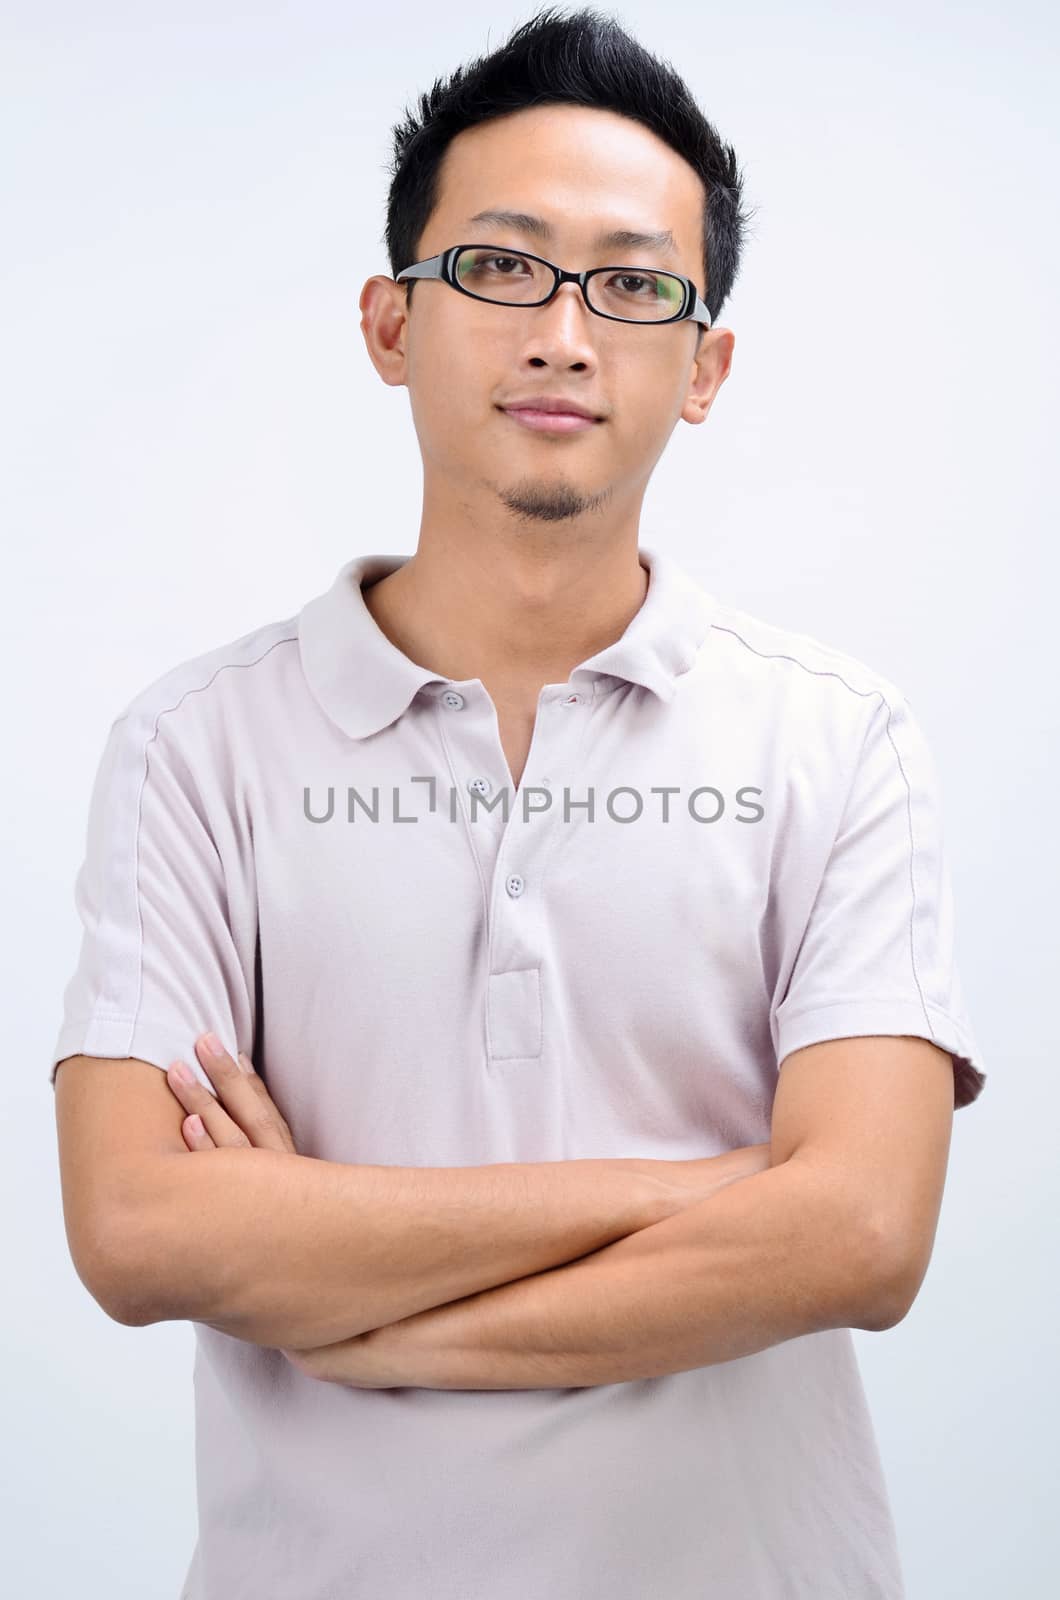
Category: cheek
<point>452,386</point>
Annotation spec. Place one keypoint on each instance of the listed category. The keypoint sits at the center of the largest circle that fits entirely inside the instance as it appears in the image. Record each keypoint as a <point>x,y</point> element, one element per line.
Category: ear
<point>710,368</point>
<point>384,324</point>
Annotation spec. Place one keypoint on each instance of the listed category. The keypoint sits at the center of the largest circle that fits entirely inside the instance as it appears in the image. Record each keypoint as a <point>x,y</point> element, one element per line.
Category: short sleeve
<point>877,953</point>
<point>159,963</point>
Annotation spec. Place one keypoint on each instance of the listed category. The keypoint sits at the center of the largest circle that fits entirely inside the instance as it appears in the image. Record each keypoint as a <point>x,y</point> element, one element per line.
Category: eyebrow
<point>622,238</point>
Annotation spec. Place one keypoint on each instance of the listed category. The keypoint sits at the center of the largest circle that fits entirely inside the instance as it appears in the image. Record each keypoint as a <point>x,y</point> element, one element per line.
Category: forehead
<point>579,169</point>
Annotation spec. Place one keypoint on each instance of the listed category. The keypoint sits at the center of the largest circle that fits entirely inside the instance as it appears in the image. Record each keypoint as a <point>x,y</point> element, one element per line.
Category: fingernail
<point>244,1061</point>
<point>182,1073</point>
<point>212,1044</point>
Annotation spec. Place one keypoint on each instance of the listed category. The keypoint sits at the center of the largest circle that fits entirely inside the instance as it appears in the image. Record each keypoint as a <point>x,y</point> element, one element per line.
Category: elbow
<point>100,1277</point>
<point>128,1314</point>
<point>885,1311</point>
<point>96,1261</point>
<point>115,1277</point>
<point>889,1281</point>
<point>126,1251</point>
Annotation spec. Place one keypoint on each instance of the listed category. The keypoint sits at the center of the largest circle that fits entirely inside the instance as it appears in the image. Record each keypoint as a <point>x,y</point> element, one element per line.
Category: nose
<point>560,331</point>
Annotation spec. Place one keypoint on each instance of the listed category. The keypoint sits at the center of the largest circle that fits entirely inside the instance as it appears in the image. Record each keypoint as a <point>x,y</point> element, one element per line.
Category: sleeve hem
<point>841,1019</point>
<point>120,1036</point>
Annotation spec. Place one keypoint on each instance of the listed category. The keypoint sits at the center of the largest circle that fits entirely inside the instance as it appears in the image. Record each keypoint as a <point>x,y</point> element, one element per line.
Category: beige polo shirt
<point>727,844</point>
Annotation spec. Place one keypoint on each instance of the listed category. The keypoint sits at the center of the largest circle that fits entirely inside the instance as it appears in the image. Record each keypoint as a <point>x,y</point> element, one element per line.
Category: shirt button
<point>515,885</point>
<point>479,785</point>
<point>452,699</point>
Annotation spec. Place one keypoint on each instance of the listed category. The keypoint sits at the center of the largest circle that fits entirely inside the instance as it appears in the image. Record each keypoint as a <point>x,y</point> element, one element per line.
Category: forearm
<point>769,1258</point>
<point>288,1251</point>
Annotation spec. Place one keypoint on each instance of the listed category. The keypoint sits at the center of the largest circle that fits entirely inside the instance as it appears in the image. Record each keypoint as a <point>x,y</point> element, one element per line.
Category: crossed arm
<point>837,1232</point>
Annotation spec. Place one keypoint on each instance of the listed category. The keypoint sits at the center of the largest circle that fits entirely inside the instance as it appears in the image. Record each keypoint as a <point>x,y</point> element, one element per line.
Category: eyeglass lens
<point>636,294</point>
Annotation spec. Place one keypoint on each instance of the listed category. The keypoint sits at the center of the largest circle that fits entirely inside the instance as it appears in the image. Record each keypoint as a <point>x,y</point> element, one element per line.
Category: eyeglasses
<point>516,278</point>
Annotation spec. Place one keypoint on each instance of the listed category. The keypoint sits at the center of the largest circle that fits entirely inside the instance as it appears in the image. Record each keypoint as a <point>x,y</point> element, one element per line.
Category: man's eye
<point>515,260</point>
<point>627,278</point>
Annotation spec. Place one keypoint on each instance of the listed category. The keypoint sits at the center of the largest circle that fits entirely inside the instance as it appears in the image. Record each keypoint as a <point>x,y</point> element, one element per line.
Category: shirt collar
<point>364,682</point>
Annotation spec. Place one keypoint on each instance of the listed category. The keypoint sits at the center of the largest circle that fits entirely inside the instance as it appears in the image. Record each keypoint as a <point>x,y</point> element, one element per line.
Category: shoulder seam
<point>912,871</point>
<point>200,688</point>
<point>816,672</point>
<point>864,694</point>
<point>166,710</point>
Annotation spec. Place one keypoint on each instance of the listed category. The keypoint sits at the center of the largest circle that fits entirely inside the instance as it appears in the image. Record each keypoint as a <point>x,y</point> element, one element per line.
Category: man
<point>591,940</point>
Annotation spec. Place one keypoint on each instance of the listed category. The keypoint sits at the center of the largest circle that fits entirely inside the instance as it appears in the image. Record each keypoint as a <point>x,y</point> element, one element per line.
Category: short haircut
<point>582,59</point>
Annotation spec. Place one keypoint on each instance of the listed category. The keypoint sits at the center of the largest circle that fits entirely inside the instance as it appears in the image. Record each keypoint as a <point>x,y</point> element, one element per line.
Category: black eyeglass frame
<point>442,265</point>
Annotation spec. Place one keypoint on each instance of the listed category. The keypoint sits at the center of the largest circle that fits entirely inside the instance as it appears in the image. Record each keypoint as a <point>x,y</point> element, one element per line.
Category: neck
<point>515,615</point>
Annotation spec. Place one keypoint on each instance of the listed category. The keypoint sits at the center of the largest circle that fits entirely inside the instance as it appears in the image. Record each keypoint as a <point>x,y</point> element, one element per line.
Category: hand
<point>702,1178</point>
<point>687,1183</point>
<point>243,1115</point>
<point>358,1362</point>
<point>410,1353</point>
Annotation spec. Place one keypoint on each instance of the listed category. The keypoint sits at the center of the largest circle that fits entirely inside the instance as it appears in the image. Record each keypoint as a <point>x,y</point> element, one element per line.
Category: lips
<point>550,421</point>
<point>558,404</point>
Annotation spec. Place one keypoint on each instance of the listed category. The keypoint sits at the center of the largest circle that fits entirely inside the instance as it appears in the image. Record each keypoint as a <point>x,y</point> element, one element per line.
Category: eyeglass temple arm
<point>699,313</point>
<point>431,268</point>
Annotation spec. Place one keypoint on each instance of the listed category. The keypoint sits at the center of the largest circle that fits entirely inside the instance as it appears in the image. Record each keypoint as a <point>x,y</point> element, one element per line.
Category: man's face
<point>584,172</point>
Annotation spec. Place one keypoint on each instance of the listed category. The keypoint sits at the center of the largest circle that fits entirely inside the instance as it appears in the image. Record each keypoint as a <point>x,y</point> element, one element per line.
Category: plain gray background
<point>195,441</point>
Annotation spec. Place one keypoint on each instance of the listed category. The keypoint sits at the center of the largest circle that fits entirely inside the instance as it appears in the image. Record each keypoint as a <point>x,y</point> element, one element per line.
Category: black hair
<point>583,59</point>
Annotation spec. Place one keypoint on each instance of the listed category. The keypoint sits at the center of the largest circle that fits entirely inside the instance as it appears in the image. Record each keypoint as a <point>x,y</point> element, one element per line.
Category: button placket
<point>464,727</point>
<point>517,980</point>
<point>515,931</point>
